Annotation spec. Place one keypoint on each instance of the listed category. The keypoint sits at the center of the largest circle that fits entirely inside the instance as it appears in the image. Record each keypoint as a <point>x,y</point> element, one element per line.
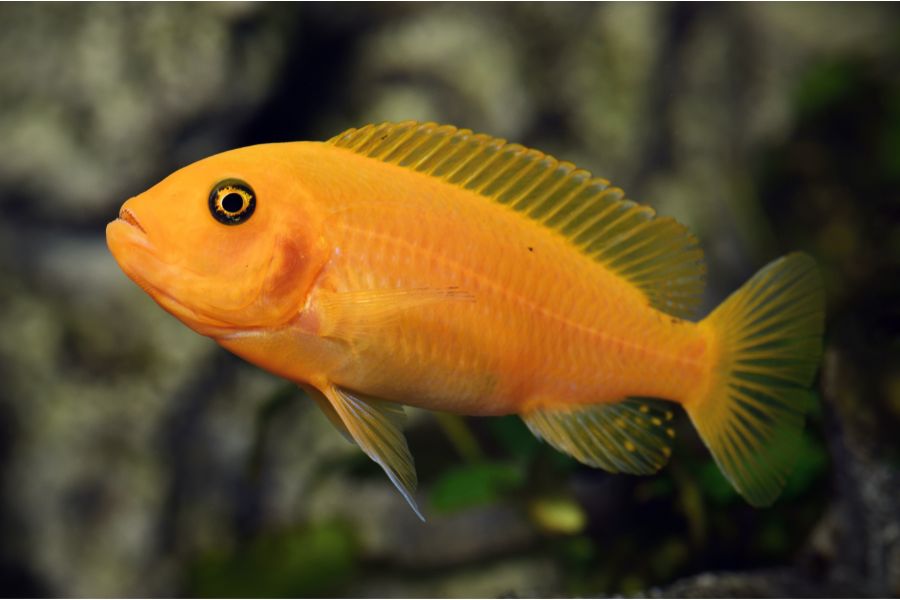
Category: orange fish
<point>423,265</point>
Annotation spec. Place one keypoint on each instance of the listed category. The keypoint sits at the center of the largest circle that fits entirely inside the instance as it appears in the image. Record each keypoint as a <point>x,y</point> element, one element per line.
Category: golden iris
<point>232,202</point>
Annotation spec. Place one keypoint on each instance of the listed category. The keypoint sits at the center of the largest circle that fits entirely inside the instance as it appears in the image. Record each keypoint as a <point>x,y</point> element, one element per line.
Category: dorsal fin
<point>656,254</point>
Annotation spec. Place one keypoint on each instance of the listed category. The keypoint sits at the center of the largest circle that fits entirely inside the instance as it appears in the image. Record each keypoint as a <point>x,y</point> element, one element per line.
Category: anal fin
<point>375,426</point>
<point>633,436</point>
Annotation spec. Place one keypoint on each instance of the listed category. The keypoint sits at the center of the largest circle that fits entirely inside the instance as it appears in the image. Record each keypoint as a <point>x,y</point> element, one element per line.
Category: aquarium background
<point>139,459</point>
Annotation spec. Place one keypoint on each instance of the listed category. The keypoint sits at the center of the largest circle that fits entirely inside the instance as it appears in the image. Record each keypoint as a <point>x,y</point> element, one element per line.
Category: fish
<point>424,265</point>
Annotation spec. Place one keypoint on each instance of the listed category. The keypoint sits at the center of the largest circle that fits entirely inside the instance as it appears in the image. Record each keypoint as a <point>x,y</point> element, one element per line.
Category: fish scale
<point>423,264</point>
<point>395,243</point>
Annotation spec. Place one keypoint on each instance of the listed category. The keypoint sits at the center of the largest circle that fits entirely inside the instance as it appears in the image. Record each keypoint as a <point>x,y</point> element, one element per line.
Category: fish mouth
<point>141,261</point>
<point>128,216</point>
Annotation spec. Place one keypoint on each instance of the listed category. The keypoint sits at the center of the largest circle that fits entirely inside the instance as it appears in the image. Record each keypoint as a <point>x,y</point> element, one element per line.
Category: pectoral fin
<point>376,427</point>
<point>351,315</point>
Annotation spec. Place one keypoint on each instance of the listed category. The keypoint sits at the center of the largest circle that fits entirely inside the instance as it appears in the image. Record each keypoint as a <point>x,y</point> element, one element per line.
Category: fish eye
<point>232,202</point>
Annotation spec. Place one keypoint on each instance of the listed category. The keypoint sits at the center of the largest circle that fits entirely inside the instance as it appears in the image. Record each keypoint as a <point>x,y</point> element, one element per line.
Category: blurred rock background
<point>137,458</point>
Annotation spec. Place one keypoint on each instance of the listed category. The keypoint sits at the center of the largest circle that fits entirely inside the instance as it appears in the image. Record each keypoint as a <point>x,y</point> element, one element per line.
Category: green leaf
<point>889,144</point>
<point>811,463</point>
<point>308,562</point>
<point>714,484</point>
<point>474,484</point>
<point>514,437</point>
<point>823,85</point>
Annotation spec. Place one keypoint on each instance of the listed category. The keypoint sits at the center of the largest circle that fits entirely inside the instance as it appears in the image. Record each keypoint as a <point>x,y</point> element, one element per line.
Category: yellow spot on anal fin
<point>611,436</point>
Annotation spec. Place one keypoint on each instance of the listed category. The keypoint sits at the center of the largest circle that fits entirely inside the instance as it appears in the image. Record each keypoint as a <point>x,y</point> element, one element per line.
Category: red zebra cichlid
<point>423,265</point>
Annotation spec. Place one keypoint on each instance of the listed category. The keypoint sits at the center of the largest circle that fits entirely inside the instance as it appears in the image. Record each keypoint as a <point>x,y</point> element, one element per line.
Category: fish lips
<point>124,237</point>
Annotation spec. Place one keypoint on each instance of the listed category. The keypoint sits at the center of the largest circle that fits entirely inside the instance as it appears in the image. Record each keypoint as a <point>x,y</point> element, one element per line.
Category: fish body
<point>501,314</point>
<point>422,265</point>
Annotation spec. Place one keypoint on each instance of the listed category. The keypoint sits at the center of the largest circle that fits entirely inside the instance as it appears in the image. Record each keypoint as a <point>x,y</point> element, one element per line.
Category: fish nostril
<point>127,216</point>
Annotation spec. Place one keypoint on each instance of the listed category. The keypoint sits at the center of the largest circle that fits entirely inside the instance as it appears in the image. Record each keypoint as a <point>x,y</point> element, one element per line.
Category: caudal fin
<point>768,340</point>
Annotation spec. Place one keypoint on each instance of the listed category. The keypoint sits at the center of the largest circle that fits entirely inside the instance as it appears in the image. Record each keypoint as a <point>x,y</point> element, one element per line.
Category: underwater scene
<point>437,351</point>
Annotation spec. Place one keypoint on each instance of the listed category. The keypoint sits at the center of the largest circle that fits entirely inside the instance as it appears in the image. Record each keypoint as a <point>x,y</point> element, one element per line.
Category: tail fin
<point>768,339</point>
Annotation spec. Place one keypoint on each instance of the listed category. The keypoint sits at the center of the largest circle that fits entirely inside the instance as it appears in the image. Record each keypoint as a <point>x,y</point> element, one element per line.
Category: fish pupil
<point>233,202</point>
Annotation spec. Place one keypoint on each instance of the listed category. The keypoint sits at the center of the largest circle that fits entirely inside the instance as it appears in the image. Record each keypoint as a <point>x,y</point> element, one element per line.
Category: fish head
<point>228,244</point>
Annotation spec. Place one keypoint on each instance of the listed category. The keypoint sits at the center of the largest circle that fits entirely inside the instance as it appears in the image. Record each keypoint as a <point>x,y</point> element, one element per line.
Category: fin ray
<point>769,338</point>
<point>350,315</point>
<point>657,255</point>
<point>375,426</point>
<point>328,409</point>
<point>628,436</point>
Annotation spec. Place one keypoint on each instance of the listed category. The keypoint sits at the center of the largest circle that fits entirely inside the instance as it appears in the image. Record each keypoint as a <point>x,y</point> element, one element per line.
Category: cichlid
<point>423,265</point>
